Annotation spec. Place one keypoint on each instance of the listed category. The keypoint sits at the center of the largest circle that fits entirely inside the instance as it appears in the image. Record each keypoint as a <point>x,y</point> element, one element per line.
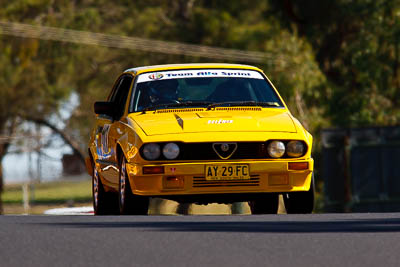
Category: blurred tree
<point>33,81</point>
<point>356,44</point>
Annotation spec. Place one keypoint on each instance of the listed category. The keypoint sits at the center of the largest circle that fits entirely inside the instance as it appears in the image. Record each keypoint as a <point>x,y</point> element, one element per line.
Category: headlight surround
<point>151,151</point>
<point>276,149</point>
<point>295,149</point>
<point>171,151</point>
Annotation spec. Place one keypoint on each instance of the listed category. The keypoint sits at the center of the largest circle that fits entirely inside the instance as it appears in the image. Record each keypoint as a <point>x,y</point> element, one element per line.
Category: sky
<point>18,168</point>
<point>22,167</point>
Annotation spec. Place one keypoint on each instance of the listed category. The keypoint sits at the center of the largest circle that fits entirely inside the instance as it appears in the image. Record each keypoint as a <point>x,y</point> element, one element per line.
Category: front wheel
<point>104,203</point>
<point>265,204</point>
<point>300,202</point>
<point>130,204</point>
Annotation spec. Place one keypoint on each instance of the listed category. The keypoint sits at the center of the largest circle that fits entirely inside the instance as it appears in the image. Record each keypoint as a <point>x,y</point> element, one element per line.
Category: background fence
<point>361,169</point>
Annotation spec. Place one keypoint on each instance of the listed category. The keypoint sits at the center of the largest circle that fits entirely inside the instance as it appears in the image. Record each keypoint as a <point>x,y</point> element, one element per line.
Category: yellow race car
<point>198,133</point>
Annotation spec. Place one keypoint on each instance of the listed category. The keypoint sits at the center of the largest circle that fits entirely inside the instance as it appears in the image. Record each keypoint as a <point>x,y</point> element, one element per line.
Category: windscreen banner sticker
<point>180,74</point>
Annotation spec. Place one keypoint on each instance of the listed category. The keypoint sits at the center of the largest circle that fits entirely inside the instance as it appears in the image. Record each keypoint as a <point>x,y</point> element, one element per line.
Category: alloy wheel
<point>122,183</point>
<point>95,187</point>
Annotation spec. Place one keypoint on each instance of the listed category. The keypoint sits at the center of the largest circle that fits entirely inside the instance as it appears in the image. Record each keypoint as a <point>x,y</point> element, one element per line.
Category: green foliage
<point>336,62</point>
<point>356,44</point>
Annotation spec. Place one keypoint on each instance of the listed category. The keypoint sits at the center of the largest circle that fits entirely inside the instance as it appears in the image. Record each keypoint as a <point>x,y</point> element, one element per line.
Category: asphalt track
<point>271,240</point>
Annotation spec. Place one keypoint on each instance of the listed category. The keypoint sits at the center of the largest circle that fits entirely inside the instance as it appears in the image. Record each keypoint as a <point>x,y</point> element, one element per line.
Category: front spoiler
<point>267,177</point>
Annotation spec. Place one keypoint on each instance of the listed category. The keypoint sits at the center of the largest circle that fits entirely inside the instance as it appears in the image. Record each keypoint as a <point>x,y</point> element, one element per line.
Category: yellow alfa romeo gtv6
<point>198,133</point>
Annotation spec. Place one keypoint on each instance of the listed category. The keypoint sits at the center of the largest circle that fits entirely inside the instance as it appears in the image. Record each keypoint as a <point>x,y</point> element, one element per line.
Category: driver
<point>163,91</point>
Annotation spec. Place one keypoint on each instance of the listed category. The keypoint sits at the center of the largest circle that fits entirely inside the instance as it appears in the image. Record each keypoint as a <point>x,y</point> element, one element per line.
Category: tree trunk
<point>3,151</point>
<point>1,187</point>
<point>7,130</point>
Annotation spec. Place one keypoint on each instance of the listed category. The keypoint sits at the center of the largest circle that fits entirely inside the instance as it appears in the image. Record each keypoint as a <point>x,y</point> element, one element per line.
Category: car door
<point>108,131</point>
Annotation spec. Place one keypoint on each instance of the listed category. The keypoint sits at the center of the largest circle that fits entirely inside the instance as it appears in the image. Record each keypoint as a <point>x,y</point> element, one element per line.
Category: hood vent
<point>238,109</point>
<point>202,109</point>
<point>179,110</point>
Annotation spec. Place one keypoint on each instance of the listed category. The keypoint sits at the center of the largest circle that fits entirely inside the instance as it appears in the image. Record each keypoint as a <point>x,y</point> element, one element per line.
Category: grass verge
<point>51,193</point>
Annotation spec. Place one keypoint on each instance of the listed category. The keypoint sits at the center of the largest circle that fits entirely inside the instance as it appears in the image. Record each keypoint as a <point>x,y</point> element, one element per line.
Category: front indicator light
<point>295,149</point>
<point>153,170</point>
<point>276,149</point>
<point>171,151</point>
<point>298,166</point>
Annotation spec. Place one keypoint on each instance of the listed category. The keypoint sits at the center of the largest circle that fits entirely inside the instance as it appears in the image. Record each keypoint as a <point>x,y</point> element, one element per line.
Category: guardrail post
<point>25,197</point>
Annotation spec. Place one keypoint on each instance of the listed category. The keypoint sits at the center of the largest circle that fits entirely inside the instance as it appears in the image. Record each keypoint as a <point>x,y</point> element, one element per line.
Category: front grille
<point>200,181</point>
<point>205,151</point>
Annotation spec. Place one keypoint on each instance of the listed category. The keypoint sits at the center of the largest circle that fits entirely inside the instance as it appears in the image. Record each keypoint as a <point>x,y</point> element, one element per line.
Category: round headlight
<point>171,151</point>
<point>295,149</point>
<point>151,151</point>
<point>276,149</point>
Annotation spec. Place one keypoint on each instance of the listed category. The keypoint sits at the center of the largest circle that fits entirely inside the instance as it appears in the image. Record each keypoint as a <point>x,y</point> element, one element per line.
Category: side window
<point>120,94</point>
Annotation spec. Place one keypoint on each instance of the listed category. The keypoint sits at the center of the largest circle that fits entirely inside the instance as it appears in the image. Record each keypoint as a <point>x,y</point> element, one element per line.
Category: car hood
<point>158,123</point>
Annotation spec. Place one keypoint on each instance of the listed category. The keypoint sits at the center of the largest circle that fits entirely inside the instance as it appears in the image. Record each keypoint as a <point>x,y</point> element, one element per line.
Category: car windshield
<point>202,88</point>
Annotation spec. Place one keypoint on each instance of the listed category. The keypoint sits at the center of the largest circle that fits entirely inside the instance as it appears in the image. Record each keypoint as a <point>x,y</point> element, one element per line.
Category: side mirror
<point>104,108</point>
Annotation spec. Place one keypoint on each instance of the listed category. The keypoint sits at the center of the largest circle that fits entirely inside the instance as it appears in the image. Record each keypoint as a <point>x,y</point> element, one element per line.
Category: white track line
<point>70,211</point>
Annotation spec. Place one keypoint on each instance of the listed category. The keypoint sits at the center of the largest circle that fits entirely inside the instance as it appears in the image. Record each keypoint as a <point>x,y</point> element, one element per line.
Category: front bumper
<point>265,176</point>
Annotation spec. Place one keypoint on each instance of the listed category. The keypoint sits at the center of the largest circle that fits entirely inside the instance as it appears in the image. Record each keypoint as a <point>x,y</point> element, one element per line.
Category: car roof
<point>139,70</point>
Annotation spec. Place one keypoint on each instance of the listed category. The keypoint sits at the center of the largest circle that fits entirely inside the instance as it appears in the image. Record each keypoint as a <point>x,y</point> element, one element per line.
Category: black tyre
<point>130,204</point>
<point>300,202</point>
<point>104,203</point>
<point>265,204</point>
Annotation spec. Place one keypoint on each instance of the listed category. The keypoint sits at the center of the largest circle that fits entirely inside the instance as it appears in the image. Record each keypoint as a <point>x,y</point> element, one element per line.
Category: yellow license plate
<point>227,172</point>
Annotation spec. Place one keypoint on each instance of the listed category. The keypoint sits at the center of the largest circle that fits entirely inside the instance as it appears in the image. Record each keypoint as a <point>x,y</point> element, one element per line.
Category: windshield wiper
<point>176,105</point>
<point>243,103</point>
